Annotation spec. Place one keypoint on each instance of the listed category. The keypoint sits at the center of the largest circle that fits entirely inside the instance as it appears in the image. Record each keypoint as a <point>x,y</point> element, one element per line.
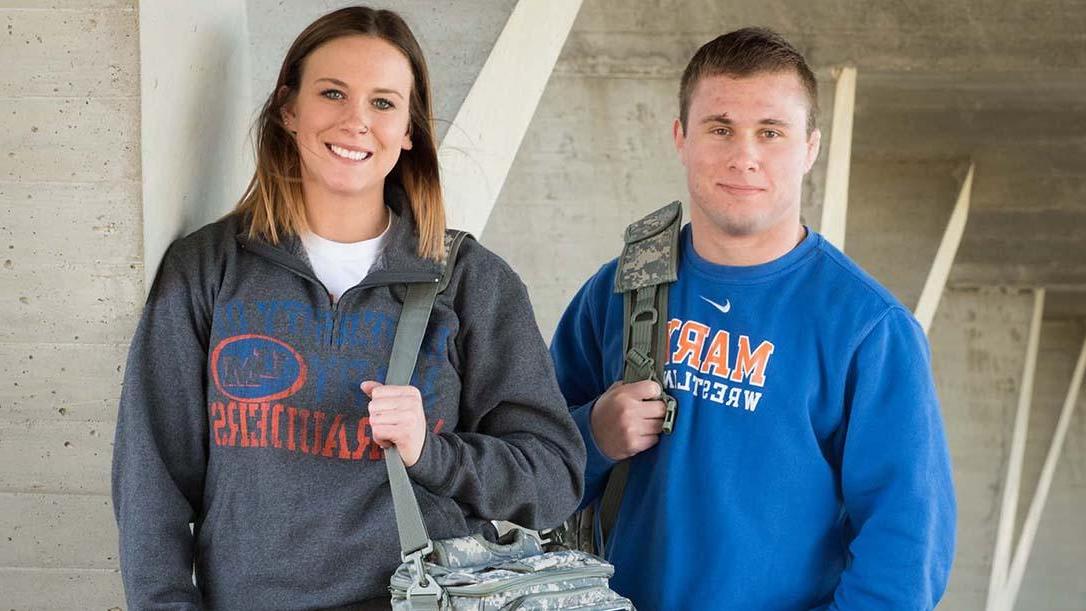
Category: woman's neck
<point>346,219</point>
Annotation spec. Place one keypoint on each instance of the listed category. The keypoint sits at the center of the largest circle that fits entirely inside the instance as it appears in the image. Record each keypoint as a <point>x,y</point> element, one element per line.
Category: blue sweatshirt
<point>808,467</point>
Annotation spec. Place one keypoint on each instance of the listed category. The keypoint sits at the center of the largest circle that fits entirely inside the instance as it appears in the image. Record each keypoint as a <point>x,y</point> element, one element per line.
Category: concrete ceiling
<point>999,83</point>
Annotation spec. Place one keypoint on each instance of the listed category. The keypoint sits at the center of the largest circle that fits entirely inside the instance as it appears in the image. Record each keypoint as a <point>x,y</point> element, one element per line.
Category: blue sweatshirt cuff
<point>598,464</point>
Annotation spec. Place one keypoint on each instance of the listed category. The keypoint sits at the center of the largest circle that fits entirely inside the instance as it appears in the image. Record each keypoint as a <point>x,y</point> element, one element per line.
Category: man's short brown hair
<point>747,52</point>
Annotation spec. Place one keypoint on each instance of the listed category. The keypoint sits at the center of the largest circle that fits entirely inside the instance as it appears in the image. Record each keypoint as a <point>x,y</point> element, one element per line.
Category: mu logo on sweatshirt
<point>275,387</point>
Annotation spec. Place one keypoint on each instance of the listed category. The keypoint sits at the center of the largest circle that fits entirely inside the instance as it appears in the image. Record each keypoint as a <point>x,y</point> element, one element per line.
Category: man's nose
<point>743,157</point>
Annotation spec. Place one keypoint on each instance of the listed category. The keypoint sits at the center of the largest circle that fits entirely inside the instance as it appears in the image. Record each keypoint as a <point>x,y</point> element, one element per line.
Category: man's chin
<point>737,227</point>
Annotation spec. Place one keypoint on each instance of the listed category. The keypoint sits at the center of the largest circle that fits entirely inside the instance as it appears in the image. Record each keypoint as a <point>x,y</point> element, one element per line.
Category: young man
<point>808,466</point>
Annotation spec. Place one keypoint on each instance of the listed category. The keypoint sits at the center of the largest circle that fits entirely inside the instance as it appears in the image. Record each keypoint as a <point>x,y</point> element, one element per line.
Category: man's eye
<point>382,104</point>
<point>333,94</point>
<point>721,131</point>
<point>771,134</point>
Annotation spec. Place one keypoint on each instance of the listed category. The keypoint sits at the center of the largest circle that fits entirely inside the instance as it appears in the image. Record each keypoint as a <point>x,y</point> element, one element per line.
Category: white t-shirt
<point>341,265</point>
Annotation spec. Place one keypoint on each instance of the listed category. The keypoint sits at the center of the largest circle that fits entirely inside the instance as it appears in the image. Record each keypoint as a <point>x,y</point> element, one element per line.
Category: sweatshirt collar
<point>398,262</point>
<point>748,273</point>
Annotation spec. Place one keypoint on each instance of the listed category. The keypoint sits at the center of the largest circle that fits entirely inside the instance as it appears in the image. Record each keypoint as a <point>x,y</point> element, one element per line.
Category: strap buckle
<point>424,593</point>
<point>416,557</point>
<point>669,413</point>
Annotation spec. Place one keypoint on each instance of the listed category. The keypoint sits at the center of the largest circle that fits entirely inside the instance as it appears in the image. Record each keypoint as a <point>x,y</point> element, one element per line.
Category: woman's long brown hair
<point>273,200</point>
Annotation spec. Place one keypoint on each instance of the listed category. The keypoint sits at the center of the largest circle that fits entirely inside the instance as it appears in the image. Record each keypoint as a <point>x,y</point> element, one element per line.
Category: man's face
<point>746,150</point>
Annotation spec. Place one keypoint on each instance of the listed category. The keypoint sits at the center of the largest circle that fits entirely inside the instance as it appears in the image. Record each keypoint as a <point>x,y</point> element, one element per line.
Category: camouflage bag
<point>515,573</point>
<point>472,573</point>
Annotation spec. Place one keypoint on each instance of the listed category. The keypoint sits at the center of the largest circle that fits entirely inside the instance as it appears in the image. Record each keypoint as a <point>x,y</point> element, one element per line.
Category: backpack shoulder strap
<point>647,267</point>
<point>453,239</point>
<point>650,255</point>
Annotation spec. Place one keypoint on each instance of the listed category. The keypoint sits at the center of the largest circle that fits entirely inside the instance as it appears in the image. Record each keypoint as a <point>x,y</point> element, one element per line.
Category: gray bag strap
<point>415,542</point>
<point>648,265</point>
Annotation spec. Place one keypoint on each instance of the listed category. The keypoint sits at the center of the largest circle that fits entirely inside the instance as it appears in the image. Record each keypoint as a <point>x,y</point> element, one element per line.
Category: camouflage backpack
<point>471,572</point>
<point>648,265</point>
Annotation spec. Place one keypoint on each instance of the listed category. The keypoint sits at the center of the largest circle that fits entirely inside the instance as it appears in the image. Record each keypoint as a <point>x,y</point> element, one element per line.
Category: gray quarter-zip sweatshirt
<point>241,413</point>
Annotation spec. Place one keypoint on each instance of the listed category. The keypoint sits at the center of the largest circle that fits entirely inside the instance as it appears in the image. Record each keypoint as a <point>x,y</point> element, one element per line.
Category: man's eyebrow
<point>721,118</point>
<point>724,119</point>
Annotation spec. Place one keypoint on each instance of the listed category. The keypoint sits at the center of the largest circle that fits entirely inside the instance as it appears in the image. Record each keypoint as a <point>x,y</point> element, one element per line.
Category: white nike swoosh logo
<point>727,307</point>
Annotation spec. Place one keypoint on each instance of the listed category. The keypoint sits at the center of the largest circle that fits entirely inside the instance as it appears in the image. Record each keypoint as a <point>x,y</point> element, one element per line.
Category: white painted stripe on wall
<point>480,146</point>
<point>944,257</point>
<point>1044,484</point>
<point>1008,513</point>
<point>835,200</point>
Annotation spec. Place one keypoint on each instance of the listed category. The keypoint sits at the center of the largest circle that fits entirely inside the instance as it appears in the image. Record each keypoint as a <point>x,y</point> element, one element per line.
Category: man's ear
<point>679,135</point>
<point>814,145</point>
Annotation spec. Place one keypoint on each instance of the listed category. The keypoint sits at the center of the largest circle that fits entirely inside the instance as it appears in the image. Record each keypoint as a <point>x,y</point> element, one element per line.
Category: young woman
<point>253,406</point>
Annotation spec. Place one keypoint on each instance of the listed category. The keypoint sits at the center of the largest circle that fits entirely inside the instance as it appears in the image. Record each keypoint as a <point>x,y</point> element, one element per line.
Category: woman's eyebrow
<point>334,81</point>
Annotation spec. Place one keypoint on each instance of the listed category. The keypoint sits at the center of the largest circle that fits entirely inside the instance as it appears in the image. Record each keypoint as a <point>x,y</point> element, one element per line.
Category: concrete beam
<point>835,200</point>
<point>1044,484</point>
<point>195,117</point>
<point>1007,516</point>
<point>944,257</point>
<point>480,146</point>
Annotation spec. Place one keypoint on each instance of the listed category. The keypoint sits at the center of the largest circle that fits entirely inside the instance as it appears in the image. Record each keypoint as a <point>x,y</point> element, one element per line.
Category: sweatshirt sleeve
<point>579,364</point>
<point>515,454</point>
<point>160,448</point>
<point>895,474</point>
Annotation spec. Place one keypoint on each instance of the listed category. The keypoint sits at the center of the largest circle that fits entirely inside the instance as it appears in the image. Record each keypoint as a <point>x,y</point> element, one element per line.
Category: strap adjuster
<point>639,360</point>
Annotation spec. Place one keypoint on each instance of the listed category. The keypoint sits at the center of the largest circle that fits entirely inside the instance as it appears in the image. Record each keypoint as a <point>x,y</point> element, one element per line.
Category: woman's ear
<point>286,111</point>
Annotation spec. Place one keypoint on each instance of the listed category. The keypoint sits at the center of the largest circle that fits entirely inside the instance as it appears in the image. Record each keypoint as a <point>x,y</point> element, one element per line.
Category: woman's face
<point>351,116</point>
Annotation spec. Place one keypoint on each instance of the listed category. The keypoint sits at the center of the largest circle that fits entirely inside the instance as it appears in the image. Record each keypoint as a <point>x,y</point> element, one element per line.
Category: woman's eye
<point>333,94</point>
<point>382,104</point>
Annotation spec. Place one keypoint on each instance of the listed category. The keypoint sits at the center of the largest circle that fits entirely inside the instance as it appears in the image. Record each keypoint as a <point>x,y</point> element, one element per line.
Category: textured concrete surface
<point>71,285</point>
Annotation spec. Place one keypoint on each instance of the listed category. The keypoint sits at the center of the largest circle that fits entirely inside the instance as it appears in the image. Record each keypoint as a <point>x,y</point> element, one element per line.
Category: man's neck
<point>346,219</point>
<point>721,248</point>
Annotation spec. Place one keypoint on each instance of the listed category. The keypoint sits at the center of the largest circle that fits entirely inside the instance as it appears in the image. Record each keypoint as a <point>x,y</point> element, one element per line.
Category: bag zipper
<point>482,590</point>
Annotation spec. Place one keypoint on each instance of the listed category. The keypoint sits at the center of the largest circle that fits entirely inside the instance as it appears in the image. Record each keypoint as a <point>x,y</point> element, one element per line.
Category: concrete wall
<point>978,346</point>
<point>71,286</point>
